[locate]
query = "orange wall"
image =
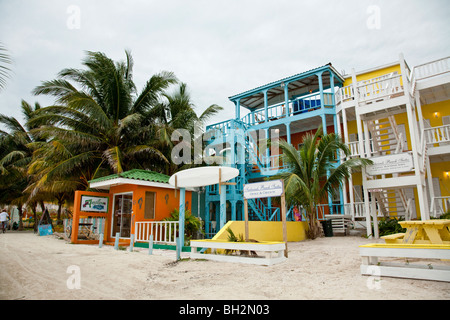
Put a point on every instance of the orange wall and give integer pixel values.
(77, 214)
(165, 203)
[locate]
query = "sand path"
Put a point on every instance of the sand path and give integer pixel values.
(33, 267)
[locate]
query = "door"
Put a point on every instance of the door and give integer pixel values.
(123, 207)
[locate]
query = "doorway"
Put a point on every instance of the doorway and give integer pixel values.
(123, 207)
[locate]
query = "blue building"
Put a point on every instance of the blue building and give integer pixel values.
(286, 109)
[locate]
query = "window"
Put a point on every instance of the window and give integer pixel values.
(149, 205)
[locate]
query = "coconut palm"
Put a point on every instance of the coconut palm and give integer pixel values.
(5, 60)
(311, 176)
(99, 122)
(15, 156)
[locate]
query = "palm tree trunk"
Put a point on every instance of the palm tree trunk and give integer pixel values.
(19, 207)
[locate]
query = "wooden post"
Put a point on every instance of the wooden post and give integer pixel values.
(246, 219)
(283, 218)
(131, 242)
(179, 248)
(100, 240)
(116, 243)
(150, 245)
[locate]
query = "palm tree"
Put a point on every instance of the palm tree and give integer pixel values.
(100, 121)
(311, 176)
(15, 157)
(4, 70)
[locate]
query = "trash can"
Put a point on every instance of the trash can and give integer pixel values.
(327, 228)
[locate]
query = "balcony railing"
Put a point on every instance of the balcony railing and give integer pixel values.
(384, 87)
(431, 69)
(439, 206)
(354, 148)
(295, 107)
(379, 88)
(437, 135)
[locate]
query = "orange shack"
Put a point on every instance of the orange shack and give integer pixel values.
(130, 205)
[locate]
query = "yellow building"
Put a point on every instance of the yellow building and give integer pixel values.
(400, 118)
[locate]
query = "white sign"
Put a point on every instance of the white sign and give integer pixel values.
(265, 189)
(94, 204)
(394, 163)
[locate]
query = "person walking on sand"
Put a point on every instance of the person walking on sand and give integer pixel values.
(4, 217)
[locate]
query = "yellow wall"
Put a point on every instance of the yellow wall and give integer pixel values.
(373, 74)
(265, 230)
(435, 111)
(439, 170)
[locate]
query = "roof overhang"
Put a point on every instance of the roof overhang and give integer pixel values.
(299, 84)
(107, 184)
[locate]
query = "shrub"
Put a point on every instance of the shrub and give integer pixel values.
(388, 226)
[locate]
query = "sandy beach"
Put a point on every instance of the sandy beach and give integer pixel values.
(34, 267)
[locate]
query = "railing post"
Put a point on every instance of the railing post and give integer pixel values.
(100, 240)
(116, 242)
(150, 245)
(131, 242)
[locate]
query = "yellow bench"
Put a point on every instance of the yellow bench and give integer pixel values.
(426, 270)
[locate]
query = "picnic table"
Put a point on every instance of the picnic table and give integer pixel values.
(422, 232)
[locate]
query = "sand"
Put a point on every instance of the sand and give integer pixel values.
(34, 267)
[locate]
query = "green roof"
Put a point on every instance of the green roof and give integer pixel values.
(136, 174)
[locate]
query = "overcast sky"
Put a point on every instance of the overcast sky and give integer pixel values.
(219, 48)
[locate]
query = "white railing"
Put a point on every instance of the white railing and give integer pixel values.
(380, 87)
(439, 134)
(163, 231)
(358, 209)
(354, 148)
(431, 69)
(439, 205)
(345, 94)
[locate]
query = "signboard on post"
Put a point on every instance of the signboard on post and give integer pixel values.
(94, 204)
(394, 163)
(266, 189)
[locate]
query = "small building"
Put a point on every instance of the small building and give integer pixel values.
(130, 203)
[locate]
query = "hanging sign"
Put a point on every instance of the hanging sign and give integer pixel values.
(94, 204)
(45, 230)
(265, 189)
(394, 163)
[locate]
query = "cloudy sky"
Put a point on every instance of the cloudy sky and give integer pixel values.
(219, 48)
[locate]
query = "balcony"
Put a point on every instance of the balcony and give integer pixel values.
(382, 88)
(296, 107)
(438, 140)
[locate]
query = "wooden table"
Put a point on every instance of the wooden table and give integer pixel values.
(422, 232)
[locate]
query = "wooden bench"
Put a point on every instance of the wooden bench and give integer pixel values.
(393, 238)
(273, 251)
(426, 269)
